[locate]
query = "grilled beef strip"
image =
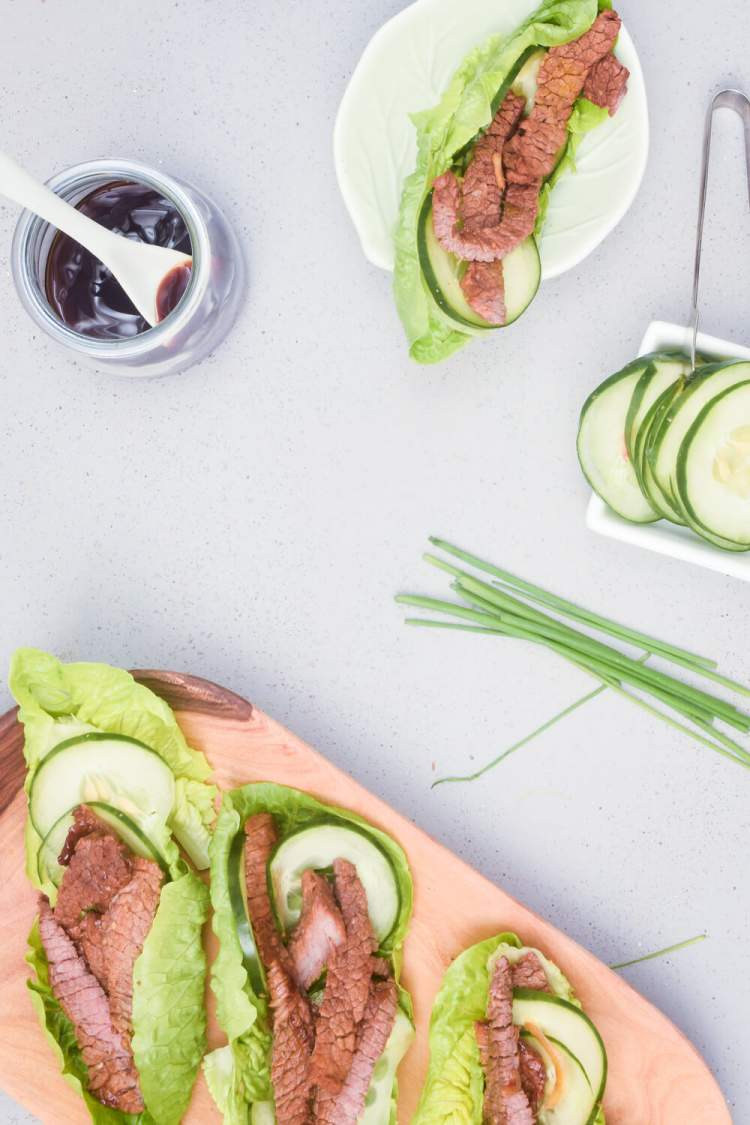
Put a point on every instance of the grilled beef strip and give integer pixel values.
(533, 1075)
(607, 83)
(319, 931)
(98, 865)
(345, 1107)
(293, 1040)
(484, 181)
(505, 1102)
(293, 1028)
(124, 928)
(112, 1077)
(531, 154)
(528, 972)
(483, 287)
(347, 988)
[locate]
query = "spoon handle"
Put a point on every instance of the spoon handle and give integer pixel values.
(18, 185)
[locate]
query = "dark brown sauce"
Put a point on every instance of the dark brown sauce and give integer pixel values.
(83, 292)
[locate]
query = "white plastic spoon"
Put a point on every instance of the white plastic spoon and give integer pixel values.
(139, 267)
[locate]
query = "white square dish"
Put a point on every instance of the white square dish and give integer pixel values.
(663, 537)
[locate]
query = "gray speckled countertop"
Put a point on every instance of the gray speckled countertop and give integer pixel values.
(250, 520)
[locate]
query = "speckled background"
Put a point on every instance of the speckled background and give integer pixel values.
(250, 520)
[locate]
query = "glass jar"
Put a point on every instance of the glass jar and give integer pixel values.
(199, 321)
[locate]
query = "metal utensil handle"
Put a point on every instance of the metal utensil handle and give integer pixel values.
(740, 103)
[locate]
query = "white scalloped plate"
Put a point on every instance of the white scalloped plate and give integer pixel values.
(406, 67)
(662, 537)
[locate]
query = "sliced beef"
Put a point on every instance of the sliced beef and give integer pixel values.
(345, 1107)
(123, 930)
(528, 972)
(484, 289)
(347, 987)
(505, 1102)
(319, 931)
(98, 866)
(533, 1075)
(520, 206)
(484, 181)
(85, 821)
(293, 1039)
(113, 1079)
(531, 154)
(607, 83)
(260, 840)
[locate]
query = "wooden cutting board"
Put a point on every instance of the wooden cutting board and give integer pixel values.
(656, 1077)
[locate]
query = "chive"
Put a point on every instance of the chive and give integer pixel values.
(503, 609)
(661, 952)
(642, 640)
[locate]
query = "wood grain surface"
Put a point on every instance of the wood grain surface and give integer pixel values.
(656, 1077)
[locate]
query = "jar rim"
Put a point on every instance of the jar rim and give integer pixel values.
(30, 227)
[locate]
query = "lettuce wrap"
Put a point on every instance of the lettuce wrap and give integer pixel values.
(79, 705)
(453, 1093)
(446, 130)
(239, 1074)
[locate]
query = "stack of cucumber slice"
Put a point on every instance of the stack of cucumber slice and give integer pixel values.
(659, 441)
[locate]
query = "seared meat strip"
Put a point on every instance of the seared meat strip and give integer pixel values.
(520, 206)
(112, 1075)
(293, 1030)
(261, 839)
(505, 1102)
(531, 154)
(607, 83)
(528, 972)
(483, 287)
(319, 931)
(293, 1039)
(483, 182)
(345, 1107)
(347, 987)
(123, 930)
(533, 1075)
(98, 866)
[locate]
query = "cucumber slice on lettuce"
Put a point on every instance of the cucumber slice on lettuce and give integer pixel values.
(239, 1074)
(443, 131)
(453, 1092)
(60, 702)
(169, 1019)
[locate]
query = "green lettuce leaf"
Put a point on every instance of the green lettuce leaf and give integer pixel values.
(240, 1076)
(454, 1088)
(57, 701)
(465, 109)
(61, 1036)
(585, 117)
(169, 1016)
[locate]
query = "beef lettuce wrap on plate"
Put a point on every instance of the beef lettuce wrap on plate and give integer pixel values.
(114, 792)
(311, 907)
(510, 1044)
(489, 155)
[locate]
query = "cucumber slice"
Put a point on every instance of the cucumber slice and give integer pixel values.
(704, 385)
(378, 1106)
(522, 272)
(713, 467)
(317, 846)
(238, 899)
(601, 447)
(262, 1113)
(526, 81)
(131, 833)
(663, 372)
(647, 434)
(577, 1103)
(569, 1026)
(111, 768)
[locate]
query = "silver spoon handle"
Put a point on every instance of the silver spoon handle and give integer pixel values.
(740, 103)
